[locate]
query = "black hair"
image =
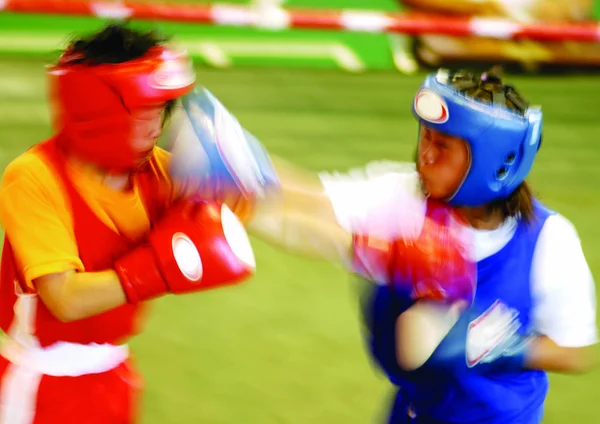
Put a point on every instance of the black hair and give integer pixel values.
(115, 43)
(488, 87)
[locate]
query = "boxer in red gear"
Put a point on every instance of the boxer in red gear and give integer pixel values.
(94, 228)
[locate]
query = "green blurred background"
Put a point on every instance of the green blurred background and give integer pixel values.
(286, 347)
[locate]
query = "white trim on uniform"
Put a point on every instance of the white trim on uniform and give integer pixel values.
(29, 362)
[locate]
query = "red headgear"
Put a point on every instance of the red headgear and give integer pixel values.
(92, 104)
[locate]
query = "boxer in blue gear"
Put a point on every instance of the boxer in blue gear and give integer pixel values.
(455, 352)
(491, 367)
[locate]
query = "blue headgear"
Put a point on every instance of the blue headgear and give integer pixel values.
(502, 142)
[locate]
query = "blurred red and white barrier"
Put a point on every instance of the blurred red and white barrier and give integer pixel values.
(276, 18)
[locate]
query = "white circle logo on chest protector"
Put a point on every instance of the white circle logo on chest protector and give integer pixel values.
(431, 107)
(187, 257)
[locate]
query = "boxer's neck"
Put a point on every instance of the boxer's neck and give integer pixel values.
(117, 181)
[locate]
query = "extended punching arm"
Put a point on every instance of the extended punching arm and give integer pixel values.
(215, 156)
(301, 234)
(298, 213)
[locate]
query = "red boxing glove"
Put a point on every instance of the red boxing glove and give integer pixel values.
(198, 245)
(438, 263)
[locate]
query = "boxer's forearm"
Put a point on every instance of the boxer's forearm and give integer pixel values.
(544, 354)
(300, 232)
(420, 330)
(71, 296)
(303, 192)
(296, 177)
(299, 217)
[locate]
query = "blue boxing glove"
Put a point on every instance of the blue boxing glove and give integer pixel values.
(209, 146)
(489, 341)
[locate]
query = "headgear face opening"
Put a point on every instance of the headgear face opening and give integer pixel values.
(503, 143)
(92, 105)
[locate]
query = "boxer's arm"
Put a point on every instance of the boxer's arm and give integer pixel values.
(420, 330)
(319, 214)
(563, 332)
(299, 217)
(212, 154)
(196, 246)
(46, 253)
(44, 247)
(565, 301)
(513, 352)
(71, 296)
(36, 221)
(545, 354)
(301, 223)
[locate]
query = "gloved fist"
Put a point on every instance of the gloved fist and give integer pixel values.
(436, 265)
(198, 245)
(485, 341)
(210, 149)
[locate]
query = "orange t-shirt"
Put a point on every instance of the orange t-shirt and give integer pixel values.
(37, 221)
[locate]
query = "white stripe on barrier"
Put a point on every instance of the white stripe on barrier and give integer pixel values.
(368, 22)
(496, 28)
(232, 15)
(273, 18)
(349, 20)
(110, 10)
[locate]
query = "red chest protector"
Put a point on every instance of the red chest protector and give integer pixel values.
(98, 246)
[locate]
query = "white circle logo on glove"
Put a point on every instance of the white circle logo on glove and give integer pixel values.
(187, 257)
(237, 237)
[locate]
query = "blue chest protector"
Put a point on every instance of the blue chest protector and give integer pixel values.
(458, 394)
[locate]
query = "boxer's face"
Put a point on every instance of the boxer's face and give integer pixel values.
(147, 126)
(442, 162)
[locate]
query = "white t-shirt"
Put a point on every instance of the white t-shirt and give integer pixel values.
(370, 201)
